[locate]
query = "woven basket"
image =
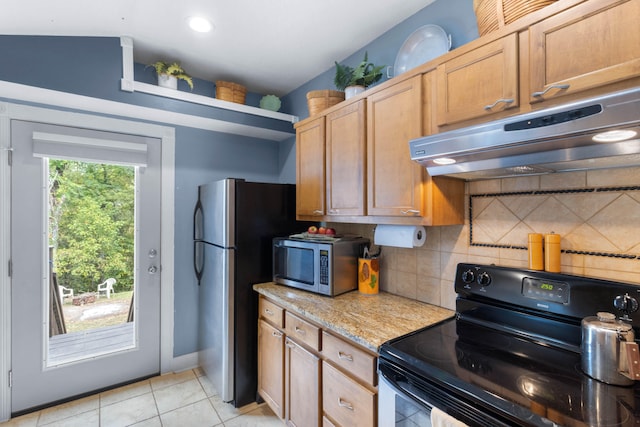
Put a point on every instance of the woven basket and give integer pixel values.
(232, 92)
(318, 100)
(495, 14)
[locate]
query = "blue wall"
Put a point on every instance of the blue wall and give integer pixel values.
(92, 66)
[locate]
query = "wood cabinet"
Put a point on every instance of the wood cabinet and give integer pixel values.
(345, 400)
(368, 174)
(345, 160)
(590, 46)
(330, 161)
(480, 83)
(271, 366)
(310, 168)
(302, 378)
(394, 116)
(312, 377)
(400, 190)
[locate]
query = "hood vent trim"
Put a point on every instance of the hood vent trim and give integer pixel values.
(556, 139)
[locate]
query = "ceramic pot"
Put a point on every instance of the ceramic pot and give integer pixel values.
(165, 80)
(350, 91)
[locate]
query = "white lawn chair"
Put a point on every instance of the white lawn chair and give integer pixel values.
(65, 292)
(106, 287)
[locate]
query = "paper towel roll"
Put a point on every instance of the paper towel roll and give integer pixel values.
(400, 236)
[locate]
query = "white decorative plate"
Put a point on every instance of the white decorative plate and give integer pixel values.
(423, 45)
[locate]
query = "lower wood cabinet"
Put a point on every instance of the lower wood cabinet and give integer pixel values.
(302, 389)
(271, 366)
(310, 377)
(345, 400)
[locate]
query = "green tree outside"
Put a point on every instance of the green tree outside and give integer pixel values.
(91, 224)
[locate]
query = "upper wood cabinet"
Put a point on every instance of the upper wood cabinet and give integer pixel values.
(310, 168)
(394, 116)
(345, 158)
(480, 83)
(591, 45)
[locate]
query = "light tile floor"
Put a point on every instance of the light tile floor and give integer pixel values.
(185, 399)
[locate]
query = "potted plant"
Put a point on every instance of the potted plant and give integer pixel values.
(356, 80)
(168, 74)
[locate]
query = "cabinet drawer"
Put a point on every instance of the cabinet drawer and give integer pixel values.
(355, 361)
(271, 312)
(302, 331)
(346, 401)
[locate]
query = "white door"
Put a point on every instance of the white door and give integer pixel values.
(41, 372)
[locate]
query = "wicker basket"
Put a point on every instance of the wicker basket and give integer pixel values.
(495, 14)
(318, 100)
(232, 92)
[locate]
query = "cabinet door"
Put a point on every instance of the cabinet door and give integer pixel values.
(302, 386)
(346, 160)
(310, 168)
(271, 366)
(593, 44)
(480, 83)
(394, 116)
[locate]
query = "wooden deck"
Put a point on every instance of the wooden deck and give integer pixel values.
(76, 346)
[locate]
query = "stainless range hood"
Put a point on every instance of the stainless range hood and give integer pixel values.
(552, 140)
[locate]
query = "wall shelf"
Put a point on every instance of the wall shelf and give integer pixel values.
(128, 84)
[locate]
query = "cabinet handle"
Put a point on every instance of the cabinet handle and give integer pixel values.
(269, 312)
(277, 334)
(499, 101)
(289, 344)
(410, 212)
(334, 211)
(299, 330)
(345, 404)
(318, 212)
(544, 92)
(345, 356)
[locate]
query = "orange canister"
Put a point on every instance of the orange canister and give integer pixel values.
(552, 253)
(368, 275)
(536, 258)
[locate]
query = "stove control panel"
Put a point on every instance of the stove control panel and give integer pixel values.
(563, 294)
(545, 290)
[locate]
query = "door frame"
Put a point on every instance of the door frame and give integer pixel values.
(11, 111)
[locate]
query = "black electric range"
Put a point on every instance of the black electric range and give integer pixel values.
(511, 356)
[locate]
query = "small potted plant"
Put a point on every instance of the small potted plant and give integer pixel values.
(356, 80)
(168, 74)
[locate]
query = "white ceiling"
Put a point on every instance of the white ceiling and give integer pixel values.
(270, 46)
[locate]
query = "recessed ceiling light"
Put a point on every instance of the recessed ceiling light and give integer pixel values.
(200, 24)
(614, 135)
(444, 161)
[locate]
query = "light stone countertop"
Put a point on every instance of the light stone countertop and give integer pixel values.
(369, 320)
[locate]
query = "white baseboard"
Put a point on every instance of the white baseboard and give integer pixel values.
(184, 362)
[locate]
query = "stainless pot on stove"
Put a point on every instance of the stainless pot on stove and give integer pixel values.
(609, 352)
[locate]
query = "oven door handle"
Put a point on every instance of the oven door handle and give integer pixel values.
(394, 381)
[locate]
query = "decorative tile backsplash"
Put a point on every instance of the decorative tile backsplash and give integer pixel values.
(605, 220)
(587, 219)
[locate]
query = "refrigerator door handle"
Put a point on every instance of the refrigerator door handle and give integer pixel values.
(198, 221)
(198, 259)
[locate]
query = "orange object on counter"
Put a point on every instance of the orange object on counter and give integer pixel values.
(552, 253)
(368, 275)
(536, 257)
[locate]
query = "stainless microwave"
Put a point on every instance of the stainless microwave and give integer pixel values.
(328, 266)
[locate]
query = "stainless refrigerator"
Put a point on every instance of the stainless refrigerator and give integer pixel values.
(234, 224)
